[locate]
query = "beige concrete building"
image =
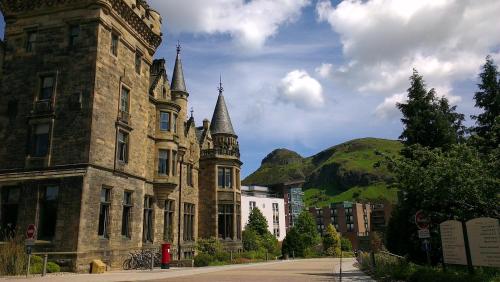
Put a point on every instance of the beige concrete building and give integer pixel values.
(96, 146)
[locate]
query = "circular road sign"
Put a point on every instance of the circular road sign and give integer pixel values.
(421, 220)
(30, 232)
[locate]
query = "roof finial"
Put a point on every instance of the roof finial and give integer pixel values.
(178, 47)
(192, 111)
(220, 88)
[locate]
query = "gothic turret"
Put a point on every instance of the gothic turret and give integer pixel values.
(178, 83)
(221, 122)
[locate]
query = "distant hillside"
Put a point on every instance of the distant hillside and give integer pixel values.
(348, 171)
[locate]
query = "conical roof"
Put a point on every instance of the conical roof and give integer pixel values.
(221, 122)
(178, 83)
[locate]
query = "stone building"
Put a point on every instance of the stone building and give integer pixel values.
(96, 146)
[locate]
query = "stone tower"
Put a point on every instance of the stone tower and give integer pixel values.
(95, 146)
(220, 195)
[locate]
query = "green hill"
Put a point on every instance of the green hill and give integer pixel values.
(349, 171)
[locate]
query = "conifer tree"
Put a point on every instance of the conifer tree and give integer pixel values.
(428, 120)
(331, 241)
(486, 133)
(257, 222)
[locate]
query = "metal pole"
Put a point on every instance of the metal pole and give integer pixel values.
(467, 248)
(266, 256)
(231, 255)
(45, 258)
(340, 277)
(28, 268)
(293, 254)
(179, 215)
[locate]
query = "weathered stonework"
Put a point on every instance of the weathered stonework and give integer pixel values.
(84, 116)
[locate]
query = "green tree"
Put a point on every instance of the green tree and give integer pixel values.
(345, 244)
(307, 230)
(428, 120)
(250, 240)
(292, 244)
(454, 184)
(486, 133)
(257, 222)
(331, 241)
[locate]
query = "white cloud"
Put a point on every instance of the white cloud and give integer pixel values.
(388, 108)
(300, 89)
(382, 40)
(250, 23)
(325, 70)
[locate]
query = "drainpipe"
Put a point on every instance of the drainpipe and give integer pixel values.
(179, 213)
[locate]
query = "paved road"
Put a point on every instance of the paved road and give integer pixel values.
(325, 269)
(290, 271)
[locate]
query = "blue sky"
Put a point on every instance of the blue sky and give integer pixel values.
(307, 74)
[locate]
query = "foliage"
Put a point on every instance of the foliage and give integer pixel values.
(203, 259)
(13, 259)
(301, 238)
(456, 184)
(375, 241)
(345, 244)
(389, 268)
(257, 222)
(270, 243)
(331, 241)
(428, 120)
(250, 240)
(209, 246)
(53, 267)
(36, 268)
(486, 133)
(377, 192)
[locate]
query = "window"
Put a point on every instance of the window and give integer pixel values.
(138, 62)
(46, 88)
(225, 176)
(225, 221)
(189, 175)
(238, 222)
(126, 214)
(175, 123)
(350, 227)
(114, 44)
(74, 33)
(124, 99)
(147, 225)
(48, 212)
(31, 41)
(9, 203)
(168, 221)
(164, 121)
(188, 222)
(276, 220)
(40, 140)
(163, 167)
(103, 230)
(251, 205)
(174, 162)
(123, 139)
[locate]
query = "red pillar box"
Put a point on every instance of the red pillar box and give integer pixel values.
(165, 256)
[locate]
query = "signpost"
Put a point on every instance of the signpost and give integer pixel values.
(30, 241)
(423, 221)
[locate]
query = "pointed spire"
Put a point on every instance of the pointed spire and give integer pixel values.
(192, 111)
(221, 122)
(178, 83)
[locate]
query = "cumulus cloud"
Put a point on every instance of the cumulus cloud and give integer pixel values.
(382, 40)
(250, 23)
(325, 70)
(300, 89)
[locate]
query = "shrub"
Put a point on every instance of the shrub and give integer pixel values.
(53, 267)
(36, 259)
(203, 259)
(250, 240)
(222, 256)
(345, 244)
(13, 258)
(36, 268)
(209, 246)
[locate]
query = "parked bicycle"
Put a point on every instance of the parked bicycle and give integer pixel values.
(142, 259)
